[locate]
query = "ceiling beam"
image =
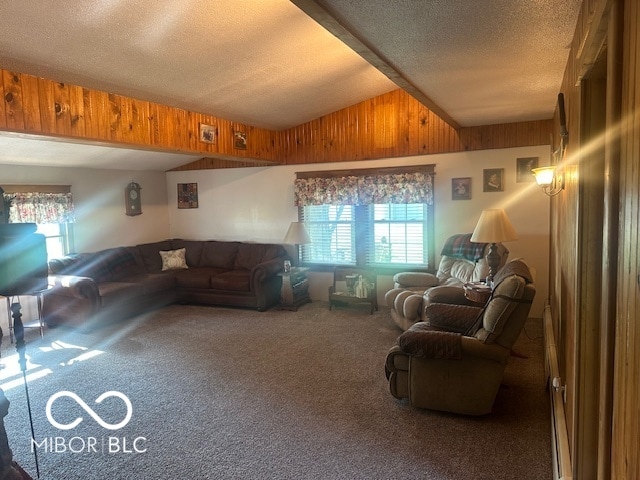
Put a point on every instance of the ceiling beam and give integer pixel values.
(371, 55)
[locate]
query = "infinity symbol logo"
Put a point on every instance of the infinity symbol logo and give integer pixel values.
(89, 410)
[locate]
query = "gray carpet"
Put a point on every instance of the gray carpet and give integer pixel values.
(223, 393)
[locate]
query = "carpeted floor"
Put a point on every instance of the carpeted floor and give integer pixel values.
(221, 393)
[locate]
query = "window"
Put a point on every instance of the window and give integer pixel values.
(399, 234)
(50, 207)
(59, 238)
(366, 235)
(367, 217)
(332, 231)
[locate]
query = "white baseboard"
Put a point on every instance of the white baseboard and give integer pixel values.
(561, 455)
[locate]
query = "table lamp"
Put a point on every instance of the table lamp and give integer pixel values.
(493, 227)
(297, 235)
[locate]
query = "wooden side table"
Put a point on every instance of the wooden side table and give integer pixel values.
(37, 295)
(295, 289)
(352, 286)
(477, 292)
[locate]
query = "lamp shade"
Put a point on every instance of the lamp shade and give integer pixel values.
(544, 175)
(297, 234)
(494, 227)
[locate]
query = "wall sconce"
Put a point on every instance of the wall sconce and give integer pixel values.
(550, 179)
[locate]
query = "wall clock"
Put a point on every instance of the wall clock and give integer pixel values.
(132, 199)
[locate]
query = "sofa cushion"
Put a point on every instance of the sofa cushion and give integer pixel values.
(174, 259)
(94, 265)
(152, 282)
(150, 253)
(453, 318)
(122, 262)
(115, 292)
(194, 250)
(235, 280)
(251, 254)
(65, 265)
(196, 277)
(219, 254)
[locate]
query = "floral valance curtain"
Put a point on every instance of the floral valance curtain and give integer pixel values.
(40, 207)
(416, 187)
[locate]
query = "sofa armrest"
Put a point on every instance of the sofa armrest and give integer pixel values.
(73, 286)
(415, 279)
(265, 270)
(70, 300)
(447, 294)
(265, 282)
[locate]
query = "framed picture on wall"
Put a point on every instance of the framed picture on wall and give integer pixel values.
(207, 133)
(493, 180)
(461, 188)
(523, 169)
(187, 195)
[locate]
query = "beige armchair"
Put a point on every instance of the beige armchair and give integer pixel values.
(461, 261)
(455, 363)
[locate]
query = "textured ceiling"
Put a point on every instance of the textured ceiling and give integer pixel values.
(268, 63)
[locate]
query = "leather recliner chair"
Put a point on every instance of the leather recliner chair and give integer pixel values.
(461, 261)
(456, 361)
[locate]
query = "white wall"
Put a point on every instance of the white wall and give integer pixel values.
(256, 204)
(98, 197)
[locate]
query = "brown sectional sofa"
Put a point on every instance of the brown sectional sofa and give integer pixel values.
(123, 281)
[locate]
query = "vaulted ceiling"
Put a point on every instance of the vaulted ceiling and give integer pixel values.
(278, 63)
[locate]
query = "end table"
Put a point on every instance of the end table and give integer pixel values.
(295, 288)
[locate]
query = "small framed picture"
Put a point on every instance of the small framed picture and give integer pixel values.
(493, 180)
(461, 188)
(207, 133)
(187, 195)
(523, 169)
(240, 140)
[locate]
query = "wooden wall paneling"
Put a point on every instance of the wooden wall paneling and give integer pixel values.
(191, 130)
(432, 133)
(115, 117)
(76, 111)
(31, 103)
(626, 428)
(3, 116)
(180, 129)
(47, 103)
(13, 100)
(102, 118)
(62, 109)
(412, 126)
(224, 142)
(391, 125)
(42, 107)
(127, 133)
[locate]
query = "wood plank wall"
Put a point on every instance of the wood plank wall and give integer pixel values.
(566, 222)
(44, 107)
(390, 125)
(396, 125)
(626, 395)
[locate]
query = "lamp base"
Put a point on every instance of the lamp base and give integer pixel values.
(493, 260)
